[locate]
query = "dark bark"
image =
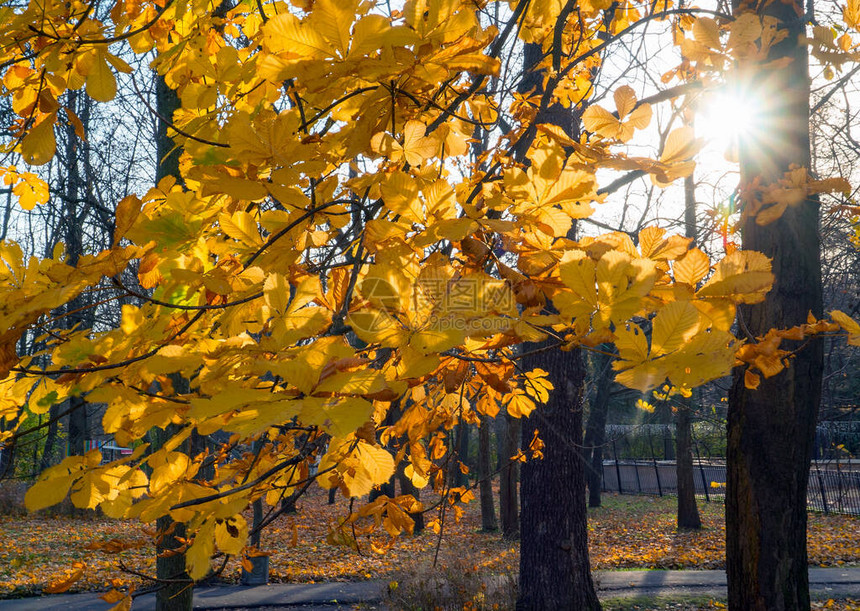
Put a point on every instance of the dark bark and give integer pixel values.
(257, 508)
(554, 566)
(74, 244)
(78, 426)
(175, 585)
(688, 511)
(595, 429)
(288, 504)
(7, 456)
(663, 415)
(51, 436)
(508, 506)
(167, 102)
(175, 593)
(485, 473)
(771, 429)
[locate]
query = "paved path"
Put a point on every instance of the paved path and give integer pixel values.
(825, 583)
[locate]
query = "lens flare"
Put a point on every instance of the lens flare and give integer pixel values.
(724, 117)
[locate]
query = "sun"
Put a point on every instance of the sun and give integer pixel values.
(723, 117)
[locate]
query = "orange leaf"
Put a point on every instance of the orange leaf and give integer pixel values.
(751, 380)
(66, 582)
(114, 596)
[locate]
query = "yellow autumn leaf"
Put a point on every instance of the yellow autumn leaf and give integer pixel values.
(743, 276)
(520, 405)
(361, 382)
(537, 385)
(622, 283)
(625, 100)
(376, 462)
(47, 492)
(849, 324)
(39, 145)
(716, 313)
(101, 83)
(284, 33)
(681, 145)
(438, 338)
(707, 356)
(745, 30)
(416, 146)
(276, 292)
(168, 468)
(631, 343)
(851, 14)
(673, 326)
(127, 211)
(692, 267)
(707, 32)
(231, 534)
(242, 227)
(418, 480)
(400, 194)
(198, 555)
(598, 120)
(333, 20)
(30, 190)
(578, 273)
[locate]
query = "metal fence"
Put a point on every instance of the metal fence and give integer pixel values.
(831, 490)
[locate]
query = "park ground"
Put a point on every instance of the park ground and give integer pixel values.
(626, 532)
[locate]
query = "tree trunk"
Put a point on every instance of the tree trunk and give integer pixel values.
(7, 456)
(51, 436)
(688, 511)
(74, 243)
(177, 588)
(554, 566)
(663, 415)
(595, 429)
(257, 509)
(508, 506)
(485, 473)
(771, 429)
(176, 593)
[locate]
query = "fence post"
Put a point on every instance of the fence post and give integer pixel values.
(839, 485)
(654, 461)
(855, 503)
(617, 468)
(822, 489)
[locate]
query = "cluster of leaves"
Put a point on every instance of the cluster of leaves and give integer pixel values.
(336, 278)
